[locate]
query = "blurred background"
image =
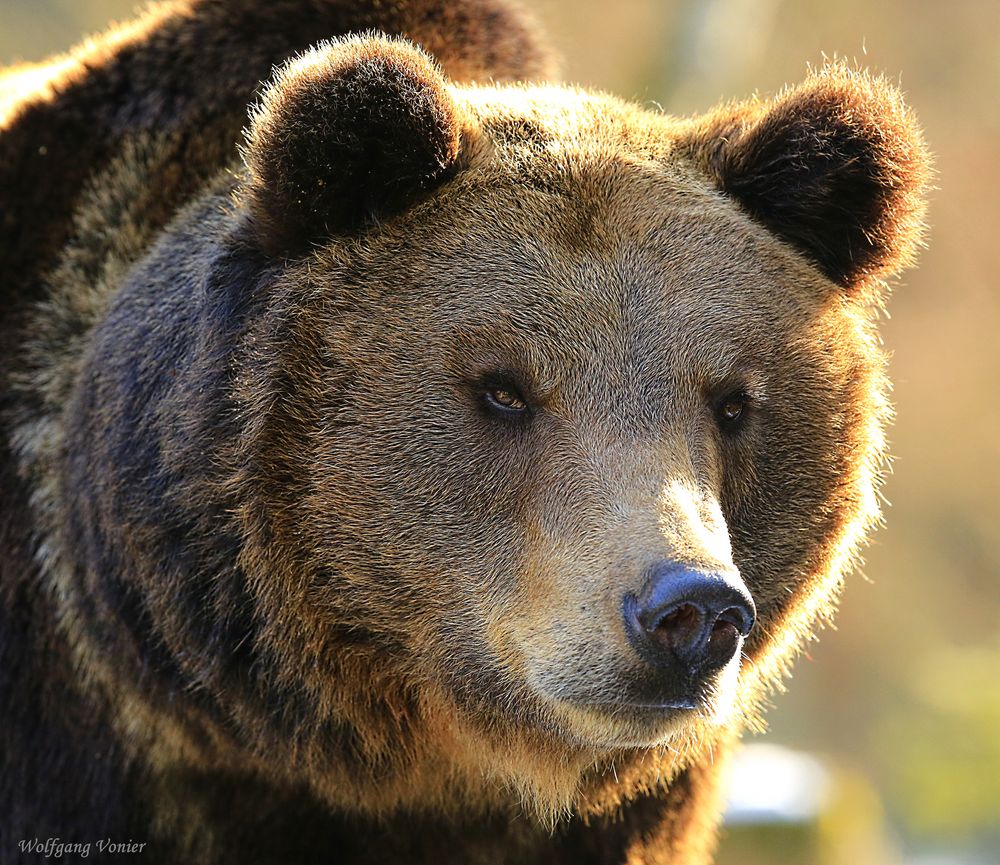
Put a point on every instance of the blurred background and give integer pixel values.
(886, 749)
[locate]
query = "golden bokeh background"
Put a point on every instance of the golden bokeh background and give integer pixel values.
(902, 701)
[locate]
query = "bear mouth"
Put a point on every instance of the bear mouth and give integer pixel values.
(645, 690)
(656, 706)
(634, 719)
(629, 725)
(642, 710)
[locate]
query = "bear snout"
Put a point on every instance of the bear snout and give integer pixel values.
(688, 621)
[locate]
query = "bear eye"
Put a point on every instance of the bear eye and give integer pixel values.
(505, 398)
(731, 410)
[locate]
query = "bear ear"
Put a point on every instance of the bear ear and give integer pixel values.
(350, 132)
(836, 167)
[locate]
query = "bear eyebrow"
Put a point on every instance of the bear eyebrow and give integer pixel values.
(750, 380)
(490, 349)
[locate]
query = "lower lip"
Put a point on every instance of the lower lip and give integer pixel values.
(653, 707)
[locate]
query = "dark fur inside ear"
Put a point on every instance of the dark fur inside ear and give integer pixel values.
(836, 167)
(350, 132)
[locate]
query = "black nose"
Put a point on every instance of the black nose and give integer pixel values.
(689, 616)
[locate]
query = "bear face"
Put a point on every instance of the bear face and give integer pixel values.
(529, 350)
(614, 461)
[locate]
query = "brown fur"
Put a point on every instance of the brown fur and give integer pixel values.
(375, 163)
(296, 563)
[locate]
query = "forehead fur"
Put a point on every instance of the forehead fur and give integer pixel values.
(357, 131)
(556, 179)
(836, 167)
(577, 260)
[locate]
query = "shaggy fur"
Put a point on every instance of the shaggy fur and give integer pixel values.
(277, 583)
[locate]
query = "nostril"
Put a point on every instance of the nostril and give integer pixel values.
(683, 629)
(685, 618)
(742, 620)
(724, 626)
(724, 635)
(680, 627)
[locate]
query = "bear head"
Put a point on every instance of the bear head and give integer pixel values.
(567, 416)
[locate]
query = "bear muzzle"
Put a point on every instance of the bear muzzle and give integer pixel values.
(685, 629)
(682, 631)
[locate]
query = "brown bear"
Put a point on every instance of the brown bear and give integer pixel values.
(441, 469)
